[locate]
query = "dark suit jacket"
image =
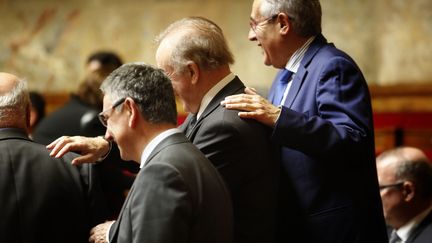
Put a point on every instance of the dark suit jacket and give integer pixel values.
(423, 232)
(77, 118)
(43, 199)
(240, 150)
(178, 196)
(325, 134)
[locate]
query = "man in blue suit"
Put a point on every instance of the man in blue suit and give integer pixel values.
(320, 111)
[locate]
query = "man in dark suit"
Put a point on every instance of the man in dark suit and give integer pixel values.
(177, 196)
(42, 199)
(78, 116)
(194, 53)
(319, 109)
(405, 177)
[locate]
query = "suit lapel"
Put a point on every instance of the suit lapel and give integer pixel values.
(168, 141)
(419, 229)
(302, 72)
(233, 87)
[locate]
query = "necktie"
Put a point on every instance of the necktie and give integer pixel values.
(191, 124)
(394, 238)
(280, 86)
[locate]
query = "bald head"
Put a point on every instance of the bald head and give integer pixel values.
(408, 163)
(14, 102)
(7, 82)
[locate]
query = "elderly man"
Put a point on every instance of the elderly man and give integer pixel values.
(319, 111)
(405, 177)
(177, 196)
(42, 199)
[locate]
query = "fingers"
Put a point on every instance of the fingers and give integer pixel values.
(251, 91)
(88, 158)
(59, 147)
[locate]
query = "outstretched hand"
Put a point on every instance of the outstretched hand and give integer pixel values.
(253, 106)
(91, 149)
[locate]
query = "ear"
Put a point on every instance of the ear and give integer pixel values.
(408, 191)
(133, 112)
(284, 23)
(194, 72)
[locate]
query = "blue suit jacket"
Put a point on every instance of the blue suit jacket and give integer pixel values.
(325, 133)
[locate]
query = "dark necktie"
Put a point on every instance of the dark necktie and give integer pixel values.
(280, 86)
(191, 124)
(394, 238)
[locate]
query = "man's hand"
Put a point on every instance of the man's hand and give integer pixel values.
(253, 106)
(99, 232)
(91, 149)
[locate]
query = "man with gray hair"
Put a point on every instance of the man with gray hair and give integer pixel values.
(320, 116)
(42, 199)
(405, 177)
(177, 196)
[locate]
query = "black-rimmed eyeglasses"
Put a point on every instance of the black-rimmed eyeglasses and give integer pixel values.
(253, 23)
(103, 118)
(399, 184)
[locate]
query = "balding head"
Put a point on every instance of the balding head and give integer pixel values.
(14, 102)
(405, 177)
(7, 82)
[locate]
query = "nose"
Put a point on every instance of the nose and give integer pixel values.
(252, 35)
(108, 135)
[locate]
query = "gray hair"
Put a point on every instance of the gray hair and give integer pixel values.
(305, 15)
(148, 86)
(202, 42)
(15, 102)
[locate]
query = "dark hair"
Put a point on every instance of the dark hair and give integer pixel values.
(420, 173)
(106, 58)
(148, 86)
(38, 103)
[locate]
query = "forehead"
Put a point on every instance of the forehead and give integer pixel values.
(386, 170)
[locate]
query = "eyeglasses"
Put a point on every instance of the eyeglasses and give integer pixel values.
(104, 118)
(399, 184)
(253, 23)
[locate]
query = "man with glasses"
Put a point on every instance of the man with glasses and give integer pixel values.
(319, 110)
(405, 178)
(177, 196)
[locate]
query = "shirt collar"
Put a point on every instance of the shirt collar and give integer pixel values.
(213, 92)
(405, 231)
(154, 142)
(294, 62)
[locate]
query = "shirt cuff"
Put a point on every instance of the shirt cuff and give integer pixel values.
(108, 231)
(107, 153)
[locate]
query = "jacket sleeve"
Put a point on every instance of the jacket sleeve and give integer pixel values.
(341, 119)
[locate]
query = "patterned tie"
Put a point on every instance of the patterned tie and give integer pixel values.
(280, 86)
(394, 238)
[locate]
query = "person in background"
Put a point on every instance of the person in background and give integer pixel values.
(178, 196)
(37, 109)
(405, 178)
(42, 199)
(79, 116)
(319, 111)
